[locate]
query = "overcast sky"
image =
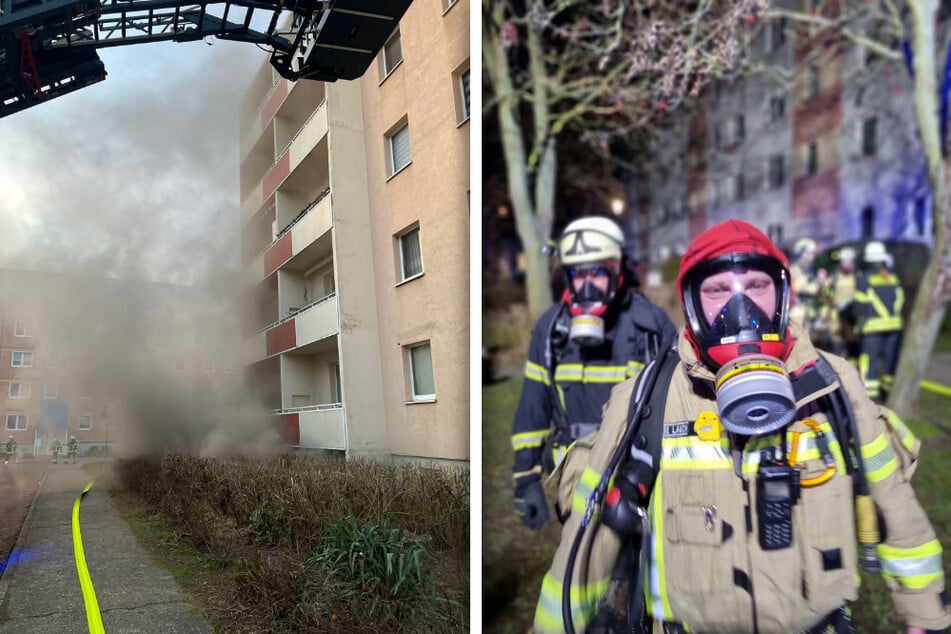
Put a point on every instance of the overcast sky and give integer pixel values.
(136, 176)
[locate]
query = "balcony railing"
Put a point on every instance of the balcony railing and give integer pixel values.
(290, 315)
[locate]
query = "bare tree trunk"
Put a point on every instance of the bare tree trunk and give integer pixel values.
(533, 227)
(934, 293)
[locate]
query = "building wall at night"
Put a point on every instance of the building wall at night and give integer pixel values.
(355, 225)
(831, 153)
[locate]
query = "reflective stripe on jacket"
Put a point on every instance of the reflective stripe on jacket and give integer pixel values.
(707, 569)
(881, 299)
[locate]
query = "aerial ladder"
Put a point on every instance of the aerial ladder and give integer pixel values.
(49, 48)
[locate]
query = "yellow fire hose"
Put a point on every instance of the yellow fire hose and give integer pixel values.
(93, 617)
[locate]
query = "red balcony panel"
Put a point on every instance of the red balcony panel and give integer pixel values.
(274, 102)
(276, 176)
(289, 428)
(279, 253)
(281, 338)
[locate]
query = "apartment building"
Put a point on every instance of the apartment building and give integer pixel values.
(355, 225)
(821, 143)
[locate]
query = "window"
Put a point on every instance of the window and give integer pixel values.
(868, 222)
(777, 33)
(739, 128)
(208, 366)
(398, 146)
(869, 136)
(392, 53)
(777, 108)
(50, 390)
(411, 257)
(21, 329)
(464, 94)
(739, 187)
(85, 423)
(21, 359)
(815, 82)
(16, 421)
(812, 158)
(421, 372)
(19, 390)
(777, 171)
(52, 358)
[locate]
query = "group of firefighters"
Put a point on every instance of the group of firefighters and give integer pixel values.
(730, 477)
(853, 313)
(72, 446)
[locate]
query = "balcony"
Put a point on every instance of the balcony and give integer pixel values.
(315, 426)
(308, 325)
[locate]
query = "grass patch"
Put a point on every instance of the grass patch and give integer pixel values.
(515, 559)
(252, 539)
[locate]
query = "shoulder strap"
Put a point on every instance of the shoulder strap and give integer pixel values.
(647, 438)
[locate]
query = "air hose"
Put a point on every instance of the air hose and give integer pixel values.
(635, 416)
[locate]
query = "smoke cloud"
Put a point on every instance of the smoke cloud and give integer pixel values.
(127, 192)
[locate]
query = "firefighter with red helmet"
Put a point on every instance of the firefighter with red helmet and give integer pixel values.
(771, 477)
(600, 333)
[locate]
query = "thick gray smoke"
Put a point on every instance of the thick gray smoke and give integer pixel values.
(136, 178)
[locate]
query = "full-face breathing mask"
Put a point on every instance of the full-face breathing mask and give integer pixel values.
(589, 303)
(743, 342)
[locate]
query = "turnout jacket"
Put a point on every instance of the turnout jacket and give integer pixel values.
(572, 382)
(706, 569)
(880, 298)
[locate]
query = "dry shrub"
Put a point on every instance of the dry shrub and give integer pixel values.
(269, 515)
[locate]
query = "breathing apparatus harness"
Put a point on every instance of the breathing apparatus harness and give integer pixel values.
(623, 506)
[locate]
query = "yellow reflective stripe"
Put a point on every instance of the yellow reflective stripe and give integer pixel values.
(905, 435)
(536, 372)
(585, 601)
(689, 452)
(569, 372)
(914, 568)
(882, 324)
(656, 590)
(587, 483)
(860, 296)
(530, 439)
(880, 461)
(591, 374)
(93, 617)
(634, 368)
(877, 304)
(899, 299)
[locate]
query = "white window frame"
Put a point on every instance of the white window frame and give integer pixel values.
(48, 393)
(24, 354)
(385, 65)
(420, 398)
(16, 422)
(22, 390)
(464, 102)
(390, 137)
(87, 426)
(21, 328)
(419, 245)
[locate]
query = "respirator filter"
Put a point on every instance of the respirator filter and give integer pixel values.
(754, 395)
(587, 329)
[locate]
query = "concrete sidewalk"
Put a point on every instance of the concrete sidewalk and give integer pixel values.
(40, 591)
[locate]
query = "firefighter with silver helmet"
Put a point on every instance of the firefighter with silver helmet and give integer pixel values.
(739, 482)
(601, 332)
(880, 298)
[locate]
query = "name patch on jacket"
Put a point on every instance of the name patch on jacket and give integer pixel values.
(675, 430)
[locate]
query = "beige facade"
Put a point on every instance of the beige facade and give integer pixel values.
(355, 224)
